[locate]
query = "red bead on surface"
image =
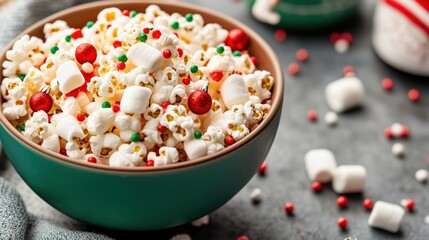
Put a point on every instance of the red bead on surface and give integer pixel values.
(216, 75)
(280, 35)
(229, 140)
(293, 69)
(121, 65)
(180, 52)
(342, 201)
(156, 34)
(405, 132)
(161, 128)
(334, 37)
(117, 44)
(116, 107)
(414, 95)
(410, 204)
(302, 55)
(150, 163)
(263, 168)
(200, 102)
(63, 151)
(312, 115)
(41, 101)
(166, 53)
(289, 207)
(77, 34)
(86, 53)
(81, 117)
(388, 133)
(237, 40)
(316, 186)
(348, 37)
(387, 84)
(243, 237)
(164, 105)
(348, 69)
(92, 160)
(342, 222)
(367, 204)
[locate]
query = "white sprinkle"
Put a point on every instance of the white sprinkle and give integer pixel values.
(201, 221)
(256, 195)
(422, 175)
(396, 129)
(331, 118)
(427, 219)
(341, 46)
(181, 237)
(87, 67)
(398, 149)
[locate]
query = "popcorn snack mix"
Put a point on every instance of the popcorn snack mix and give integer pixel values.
(135, 89)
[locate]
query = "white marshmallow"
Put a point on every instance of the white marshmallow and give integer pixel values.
(398, 149)
(69, 77)
(234, 91)
(341, 46)
(331, 118)
(349, 179)
(320, 165)
(146, 56)
(52, 143)
(396, 129)
(263, 11)
(67, 127)
(344, 94)
(201, 221)
(386, 216)
(87, 67)
(195, 148)
(256, 195)
(135, 99)
(422, 175)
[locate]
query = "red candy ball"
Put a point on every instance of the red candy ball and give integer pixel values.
(150, 163)
(289, 207)
(77, 34)
(316, 186)
(367, 204)
(41, 101)
(200, 102)
(342, 201)
(312, 115)
(414, 95)
(92, 160)
(342, 222)
(293, 69)
(302, 55)
(387, 84)
(243, 237)
(237, 40)
(216, 75)
(280, 35)
(262, 168)
(166, 53)
(86, 53)
(410, 204)
(229, 140)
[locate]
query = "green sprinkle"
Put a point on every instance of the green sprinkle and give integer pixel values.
(22, 128)
(175, 25)
(68, 38)
(133, 13)
(151, 28)
(122, 58)
(135, 137)
(22, 76)
(54, 49)
(89, 24)
(198, 134)
(143, 37)
(220, 49)
(105, 105)
(189, 17)
(237, 53)
(194, 68)
(58, 83)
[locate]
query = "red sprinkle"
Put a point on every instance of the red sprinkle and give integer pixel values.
(243, 237)
(180, 52)
(289, 207)
(166, 53)
(293, 69)
(216, 75)
(116, 107)
(342, 201)
(280, 35)
(367, 204)
(156, 34)
(126, 13)
(334, 37)
(146, 30)
(316, 186)
(238, 72)
(348, 69)
(342, 222)
(77, 34)
(229, 140)
(302, 55)
(81, 117)
(92, 160)
(186, 81)
(165, 105)
(388, 133)
(410, 204)
(263, 168)
(254, 60)
(312, 115)
(405, 132)
(387, 84)
(117, 44)
(49, 118)
(347, 37)
(121, 65)
(414, 95)
(150, 163)
(63, 151)
(161, 128)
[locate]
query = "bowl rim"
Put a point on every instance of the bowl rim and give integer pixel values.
(275, 104)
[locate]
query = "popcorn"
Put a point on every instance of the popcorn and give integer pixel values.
(104, 144)
(100, 121)
(127, 125)
(71, 106)
(52, 143)
(214, 139)
(74, 150)
(15, 107)
(153, 112)
(128, 155)
(195, 148)
(69, 77)
(260, 84)
(36, 128)
(67, 126)
(151, 132)
(34, 80)
(167, 155)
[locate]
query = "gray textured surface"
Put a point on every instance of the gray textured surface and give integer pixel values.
(358, 139)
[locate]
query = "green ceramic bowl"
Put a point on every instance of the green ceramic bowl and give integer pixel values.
(144, 198)
(312, 14)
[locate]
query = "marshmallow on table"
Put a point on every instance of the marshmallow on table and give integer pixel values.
(69, 77)
(135, 99)
(145, 56)
(263, 11)
(422, 175)
(320, 165)
(349, 179)
(234, 91)
(344, 94)
(201, 221)
(256, 195)
(386, 216)
(195, 148)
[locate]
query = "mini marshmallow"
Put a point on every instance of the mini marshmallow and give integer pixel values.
(234, 91)
(386, 216)
(349, 179)
(422, 175)
(396, 129)
(398, 149)
(67, 126)
(344, 94)
(146, 56)
(320, 165)
(135, 99)
(69, 77)
(263, 11)
(331, 118)
(256, 195)
(341, 46)
(201, 221)
(87, 67)
(195, 148)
